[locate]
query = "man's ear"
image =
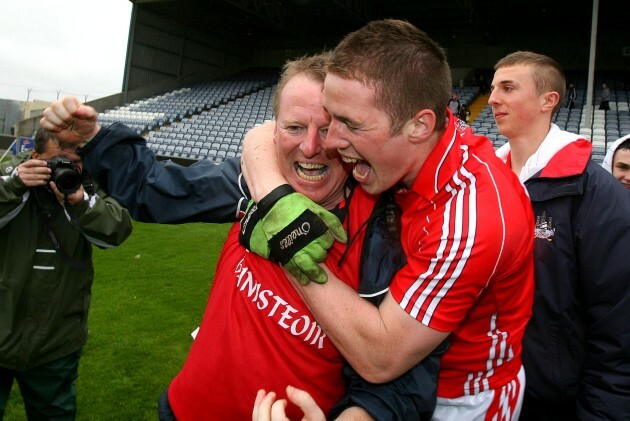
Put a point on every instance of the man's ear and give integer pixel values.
(421, 126)
(551, 100)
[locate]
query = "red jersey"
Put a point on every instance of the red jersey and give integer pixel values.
(257, 333)
(467, 233)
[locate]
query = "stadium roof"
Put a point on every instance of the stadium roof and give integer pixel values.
(282, 22)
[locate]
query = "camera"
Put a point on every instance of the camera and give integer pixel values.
(65, 174)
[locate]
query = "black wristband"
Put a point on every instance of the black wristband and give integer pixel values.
(294, 237)
(248, 223)
(276, 194)
(257, 211)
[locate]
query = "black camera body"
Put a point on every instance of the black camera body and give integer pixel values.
(65, 174)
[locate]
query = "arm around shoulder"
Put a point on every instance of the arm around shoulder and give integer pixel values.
(260, 162)
(380, 343)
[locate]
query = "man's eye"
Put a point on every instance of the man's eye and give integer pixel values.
(294, 129)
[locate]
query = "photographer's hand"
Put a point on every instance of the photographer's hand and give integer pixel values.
(71, 121)
(33, 173)
(73, 199)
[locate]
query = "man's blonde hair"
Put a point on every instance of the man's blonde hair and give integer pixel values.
(547, 73)
(313, 67)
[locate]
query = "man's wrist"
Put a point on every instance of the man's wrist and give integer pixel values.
(274, 195)
(97, 128)
(85, 146)
(80, 205)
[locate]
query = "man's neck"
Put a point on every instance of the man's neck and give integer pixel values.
(524, 146)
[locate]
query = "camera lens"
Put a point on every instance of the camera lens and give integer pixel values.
(65, 175)
(66, 179)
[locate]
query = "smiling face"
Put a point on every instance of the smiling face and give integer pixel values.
(301, 126)
(621, 167)
(361, 133)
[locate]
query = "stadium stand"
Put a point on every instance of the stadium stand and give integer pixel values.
(208, 120)
(466, 94)
(604, 126)
(203, 121)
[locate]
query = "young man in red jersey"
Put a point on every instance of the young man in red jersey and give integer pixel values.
(466, 227)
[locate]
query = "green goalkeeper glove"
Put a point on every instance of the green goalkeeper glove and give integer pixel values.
(292, 230)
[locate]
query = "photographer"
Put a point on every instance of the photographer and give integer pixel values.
(50, 214)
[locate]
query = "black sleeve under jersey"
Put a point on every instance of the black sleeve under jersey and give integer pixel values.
(163, 191)
(413, 395)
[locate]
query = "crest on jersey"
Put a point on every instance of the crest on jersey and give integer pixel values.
(544, 227)
(460, 125)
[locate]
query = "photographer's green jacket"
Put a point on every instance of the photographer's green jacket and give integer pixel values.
(46, 268)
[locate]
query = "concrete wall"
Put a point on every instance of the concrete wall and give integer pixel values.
(10, 113)
(162, 49)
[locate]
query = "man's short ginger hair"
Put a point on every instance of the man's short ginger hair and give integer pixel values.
(313, 67)
(407, 69)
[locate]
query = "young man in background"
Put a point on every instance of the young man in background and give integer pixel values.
(576, 346)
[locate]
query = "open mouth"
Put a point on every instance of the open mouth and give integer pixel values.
(309, 171)
(360, 170)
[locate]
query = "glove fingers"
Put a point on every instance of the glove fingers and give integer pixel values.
(310, 268)
(297, 273)
(334, 226)
(323, 242)
(316, 251)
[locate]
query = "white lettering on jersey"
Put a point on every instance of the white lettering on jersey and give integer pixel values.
(303, 326)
